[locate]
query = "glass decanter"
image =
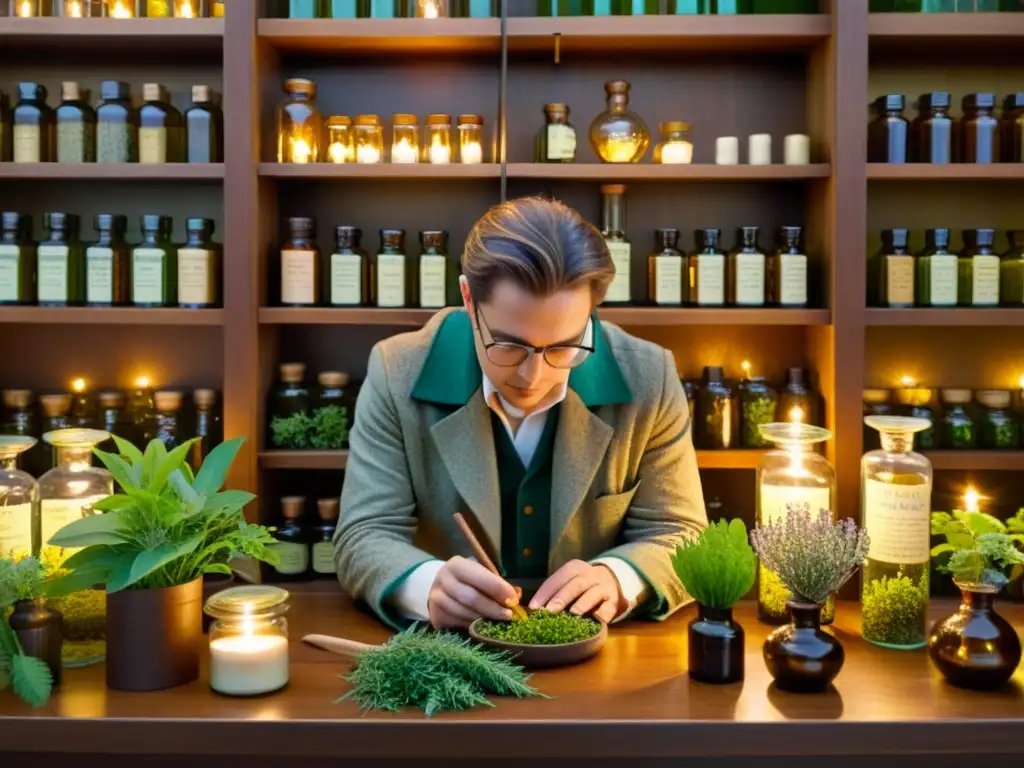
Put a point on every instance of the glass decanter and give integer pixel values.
(618, 135)
(791, 477)
(19, 498)
(896, 495)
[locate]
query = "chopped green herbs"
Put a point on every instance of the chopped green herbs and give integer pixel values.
(541, 628)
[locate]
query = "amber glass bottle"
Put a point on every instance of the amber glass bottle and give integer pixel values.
(888, 132)
(707, 269)
(937, 271)
(1011, 138)
(199, 266)
(161, 128)
(892, 270)
(979, 129)
(667, 280)
(933, 133)
(1011, 272)
(300, 264)
(978, 281)
(349, 269)
(787, 270)
(61, 276)
(107, 263)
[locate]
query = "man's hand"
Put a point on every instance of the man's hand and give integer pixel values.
(464, 591)
(582, 588)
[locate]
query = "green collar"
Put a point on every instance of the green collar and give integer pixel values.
(451, 373)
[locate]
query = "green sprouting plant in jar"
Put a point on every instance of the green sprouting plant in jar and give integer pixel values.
(894, 609)
(1000, 429)
(958, 428)
(757, 407)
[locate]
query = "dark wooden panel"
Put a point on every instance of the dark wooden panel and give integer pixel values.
(105, 171)
(110, 316)
(111, 37)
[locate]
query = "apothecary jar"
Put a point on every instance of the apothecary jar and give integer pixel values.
(368, 139)
(675, 147)
(340, 146)
(248, 640)
(299, 124)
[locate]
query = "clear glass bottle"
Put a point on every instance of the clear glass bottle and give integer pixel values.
(67, 493)
(437, 143)
(341, 146)
(716, 426)
(61, 259)
(556, 142)
(22, 419)
(896, 506)
(117, 125)
(17, 259)
(1011, 138)
(937, 271)
(108, 263)
(1000, 429)
(1011, 270)
(299, 123)
(979, 129)
(300, 264)
(334, 390)
(797, 401)
(199, 266)
(471, 139)
(369, 140)
(618, 135)
(889, 132)
(161, 128)
(323, 536)
(959, 432)
(787, 270)
(747, 271)
(675, 147)
(34, 136)
(292, 544)
(405, 139)
(209, 427)
(155, 264)
(76, 126)
(19, 498)
(979, 267)
(248, 640)
(707, 269)
(168, 418)
(892, 271)
(933, 132)
(791, 477)
(393, 276)
(613, 230)
(919, 403)
(667, 281)
(204, 127)
(435, 279)
(349, 269)
(758, 403)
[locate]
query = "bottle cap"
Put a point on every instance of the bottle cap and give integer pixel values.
(205, 398)
(113, 90)
(404, 119)
(55, 405)
(291, 506)
(434, 238)
(328, 509)
(556, 108)
(347, 236)
(617, 87)
(154, 222)
(613, 189)
(747, 236)
(674, 126)
(302, 227)
(154, 92)
(935, 100)
(300, 86)
(31, 92)
(69, 91)
(12, 221)
(470, 120)
(979, 101)
(938, 237)
(202, 94)
(796, 376)
(993, 398)
(110, 222)
(896, 238)
(61, 221)
(372, 120)
(876, 396)
(956, 396)
(713, 374)
(892, 102)
(332, 379)
(439, 120)
(790, 235)
(292, 373)
(167, 400)
(335, 121)
(707, 238)
(1014, 101)
(984, 237)
(17, 398)
(197, 224)
(394, 238)
(110, 399)
(666, 238)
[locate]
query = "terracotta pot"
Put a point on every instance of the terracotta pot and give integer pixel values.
(975, 647)
(40, 631)
(800, 656)
(212, 584)
(154, 637)
(715, 645)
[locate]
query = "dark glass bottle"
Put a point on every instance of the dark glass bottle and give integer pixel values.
(292, 544)
(17, 259)
(5, 129)
(787, 270)
(111, 417)
(937, 271)
(56, 415)
(1011, 139)
(717, 423)
(667, 280)
(707, 269)
(349, 269)
(556, 142)
(758, 403)
(33, 131)
(978, 279)
(1000, 429)
(108, 263)
(797, 401)
(435, 275)
(83, 406)
(919, 403)
(747, 271)
(1011, 271)
(289, 398)
(394, 279)
(199, 266)
(888, 133)
(209, 427)
(117, 125)
(61, 257)
(204, 126)
(300, 264)
(892, 271)
(22, 418)
(161, 128)
(76, 127)
(140, 414)
(334, 390)
(933, 133)
(168, 418)
(958, 428)
(323, 536)
(154, 264)
(613, 230)
(979, 129)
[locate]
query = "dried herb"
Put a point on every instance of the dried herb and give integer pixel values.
(893, 610)
(541, 628)
(718, 567)
(330, 427)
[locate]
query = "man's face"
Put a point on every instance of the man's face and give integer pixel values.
(513, 314)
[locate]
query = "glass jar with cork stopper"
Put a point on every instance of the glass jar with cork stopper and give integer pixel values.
(168, 417)
(471, 139)
(204, 127)
(437, 147)
(556, 142)
(117, 124)
(675, 147)
(368, 139)
(959, 432)
(298, 123)
(161, 128)
(618, 135)
(323, 536)
(668, 282)
(208, 427)
(76, 126)
(340, 142)
(333, 392)
(300, 264)
(290, 397)
(292, 545)
(405, 139)
(1000, 429)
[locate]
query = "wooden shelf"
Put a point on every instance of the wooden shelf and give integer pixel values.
(964, 316)
(344, 316)
(935, 27)
(403, 171)
(746, 458)
(951, 172)
(114, 171)
(977, 460)
(652, 172)
(111, 316)
(352, 37)
(100, 37)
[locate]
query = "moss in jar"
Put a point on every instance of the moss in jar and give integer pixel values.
(541, 628)
(758, 409)
(959, 433)
(999, 432)
(893, 610)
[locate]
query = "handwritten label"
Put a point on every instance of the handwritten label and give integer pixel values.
(433, 271)
(710, 279)
(148, 276)
(391, 280)
(298, 277)
(619, 290)
(53, 273)
(750, 279)
(792, 279)
(668, 282)
(99, 275)
(346, 279)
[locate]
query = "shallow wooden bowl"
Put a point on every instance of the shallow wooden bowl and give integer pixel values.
(540, 656)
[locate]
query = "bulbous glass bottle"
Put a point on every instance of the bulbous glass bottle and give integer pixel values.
(19, 498)
(618, 135)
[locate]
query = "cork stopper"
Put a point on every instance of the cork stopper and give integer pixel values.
(167, 400)
(556, 108)
(293, 373)
(291, 506)
(674, 126)
(153, 92)
(70, 91)
(328, 509)
(338, 120)
(371, 120)
(56, 405)
(876, 396)
(17, 398)
(205, 398)
(993, 398)
(956, 396)
(202, 94)
(613, 189)
(616, 87)
(298, 85)
(403, 119)
(439, 119)
(470, 120)
(111, 399)
(333, 379)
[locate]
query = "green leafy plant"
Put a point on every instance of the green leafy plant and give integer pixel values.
(30, 678)
(718, 567)
(330, 427)
(1015, 525)
(167, 528)
(541, 628)
(295, 431)
(893, 609)
(981, 550)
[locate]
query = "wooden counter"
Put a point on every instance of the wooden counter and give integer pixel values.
(632, 701)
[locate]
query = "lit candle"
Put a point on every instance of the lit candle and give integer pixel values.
(430, 10)
(248, 664)
(403, 152)
(472, 153)
(796, 414)
(142, 382)
(185, 10)
(336, 152)
(120, 11)
(439, 153)
(745, 366)
(907, 381)
(78, 386)
(74, 9)
(972, 499)
(677, 153)
(26, 9)
(300, 151)
(367, 154)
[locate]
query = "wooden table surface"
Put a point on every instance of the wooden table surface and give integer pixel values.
(634, 700)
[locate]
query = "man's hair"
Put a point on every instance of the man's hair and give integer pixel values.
(543, 246)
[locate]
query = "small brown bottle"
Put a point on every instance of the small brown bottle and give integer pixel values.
(933, 132)
(979, 129)
(707, 270)
(1011, 138)
(888, 132)
(667, 280)
(394, 278)
(300, 264)
(747, 270)
(787, 270)
(556, 142)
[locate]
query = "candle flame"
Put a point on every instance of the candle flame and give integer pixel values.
(186, 11)
(745, 365)
(336, 152)
(796, 414)
(142, 382)
(78, 385)
(75, 9)
(971, 499)
(402, 151)
(120, 11)
(367, 154)
(300, 151)
(1022, 381)
(25, 9)
(439, 153)
(430, 10)
(908, 381)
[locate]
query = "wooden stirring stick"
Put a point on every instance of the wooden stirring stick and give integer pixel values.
(518, 612)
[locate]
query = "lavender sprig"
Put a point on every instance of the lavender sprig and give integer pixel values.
(813, 557)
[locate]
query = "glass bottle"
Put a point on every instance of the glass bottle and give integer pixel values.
(979, 129)
(787, 270)
(675, 147)
(22, 419)
(888, 133)
(168, 418)
(83, 406)
(298, 123)
(937, 271)
(191, 9)
(204, 127)
(333, 390)
(978, 282)
(19, 498)
(618, 135)
(1000, 429)
(893, 271)
(300, 264)
(877, 402)
(5, 129)
(17, 259)
(917, 402)
(959, 431)
(117, 125)
(747, 270)
(405, 139)
(797, 401)
(349, 270)
(33, 132)
(667, 281)
(393, 276)
(716, 426)
(161, 128)
(933, 132)
(562, 8)
(556, 142)
(1011, 271)
(1011, 139)
(437, 146)
(107, 263)
(209, 428)
(471, 139)
(707, 270)
(56, 414)
(792, 477)
(140, 414)
(76, 126)
(308, 9)
(111, 416)
(369, 139)
(154, 264)
(290, 396)
(758, 402)
(896, 497)
(436, 287)
(323, 536)
(477, 9)
(341, 147)
(152, 9)
(61, 257)
(613, 230)
(199, 266)
(67, 493)
(292, 545)
(690, 389)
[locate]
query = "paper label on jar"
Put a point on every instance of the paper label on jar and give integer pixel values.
(433, 274)
(54, 514)
(898, 521)
(99, 275)
(152, 145)
(9, 273)
(619, 290)
(148, 276)
(390, 280)
(899, 273)
(16, 530)
(27, 143)
(346, 279)
(710, 278)
(561, 142)
(195, 276)
(294, 557)
(298, 277)
(323, 557)
(668, 280)
(777, 501)
(53, 272)
(750, 279)
(985, 290)
(792, 279)
(942, 272)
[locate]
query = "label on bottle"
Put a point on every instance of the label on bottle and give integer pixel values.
(323, 557)
(433, 272)
(792, 279)
(54, 514)
(777, 501)
(298, 277)
(152, 145)
(390, 280)
(294, 557)
(346, 279)
(619, 290)
(561, 142)
(750, 279)
(710, 278)
(16, 530)
(668, 280)
(942, 275)
(195, 276)
(27, 143)
(899, 275)
(53, 272)
(9, 273)
(99, 275)
(148, 276)
(898, 521)
(985, 289)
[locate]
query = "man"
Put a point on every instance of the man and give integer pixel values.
(564, 442)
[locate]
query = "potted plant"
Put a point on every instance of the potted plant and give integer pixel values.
(30, 639)
(813, 557)
(975, 647)
(150, 550)
(717, 569)
(1015, 526)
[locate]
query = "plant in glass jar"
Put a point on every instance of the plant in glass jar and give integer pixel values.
(30, 638)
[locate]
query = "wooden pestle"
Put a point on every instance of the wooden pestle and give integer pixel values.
(518, 612)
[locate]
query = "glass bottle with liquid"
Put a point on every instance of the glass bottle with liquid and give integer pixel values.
(161, 128)
(349, 269)
(108, 263)
(199, 266)
(61, 258)
(892, 271)
(300, 264)
(959, 430)
(888, 133)
(787, 270)
(117, 125)
(747, 271)
(155, 264)
(556, 142)
(83, 406)
(17, 259)
(758, 404)
(299, 124)
(168, 418)
(19, 498)
(979, 129)
(978, 279)
(22, 419)
(619, 135)
(1011, 137)
(716, 426)
(937, 271)
(204, 127)
(292, 545)
(707, 270)
(323, 536)
(140, 414)
(613, 230)
(56, 413)
(438, 282)
(5, 129)
(1011, 271)
(394, 279)
(111, 417)
(76, 126)
(798, 402)
(209, 428)
(34, 136)
(896, 498)
(668, 283)
(933, 132)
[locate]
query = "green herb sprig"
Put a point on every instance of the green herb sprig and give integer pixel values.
(330, 428)
(980, 548)
(541, 628)
(293, 431)
(718, 567)
(30, 678)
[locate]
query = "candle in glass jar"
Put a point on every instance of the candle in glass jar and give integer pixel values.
(367, 154)
(336, 153)
(402, 152)
(184, 9)
(300, 151)
(248, 664)
(26, 8)
(73, 9)
(677, 153)
(119, 9)
(439, 153)
(471, 153)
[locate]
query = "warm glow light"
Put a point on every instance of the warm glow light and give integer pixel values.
(367, 154)
(471, 153)
(745, 365)
(78, 385)
(120, 11)
(439, 153)
(621, 150)
(185, 11)
(907, 381)
(336, 152)
(75, 9)
(25, 10)
(971, 499)
(142, 382)
(796, 414)
(429, 10)
(1022, 381)
(402, 151)
(300, 151)
(677, 153)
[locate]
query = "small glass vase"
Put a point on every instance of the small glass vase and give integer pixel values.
(618, 135)
(715, 644)
(801, 656)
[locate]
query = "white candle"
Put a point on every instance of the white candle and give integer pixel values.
(759, 149)
(677, 153)
(186, 11)
(26, 9)
(797, 149)
(248, 665)
(300, 151)
(367, 154)
(471, 153)
(439, 153)
(337, 153)
(727, 150)
(120, 11)
(403, 152)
